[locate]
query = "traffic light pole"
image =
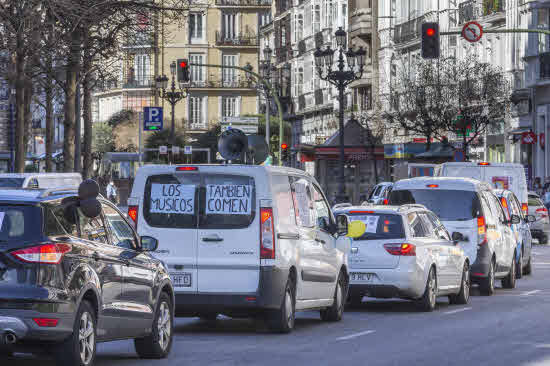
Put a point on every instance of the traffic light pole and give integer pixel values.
(541, 31)
(271, 90)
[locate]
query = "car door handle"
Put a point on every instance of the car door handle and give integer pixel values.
(211, 239)
(289, 236)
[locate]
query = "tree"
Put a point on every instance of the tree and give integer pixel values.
(375, 131)
(448, 98)
(161, 138)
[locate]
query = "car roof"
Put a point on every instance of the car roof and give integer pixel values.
(383, 209)
(163, 168)
(513, 165)
(451, 183)
(33, 196)
(28, 175)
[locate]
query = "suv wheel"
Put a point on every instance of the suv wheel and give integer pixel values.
(80, 348)
(528, 268)
(487, 284)
(282, 319)
(519, 266)
(510, 280)
(335, 312)
(158, 344)
(428, 300)
(463, 296)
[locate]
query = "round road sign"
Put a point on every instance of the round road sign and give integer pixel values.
(472, 31)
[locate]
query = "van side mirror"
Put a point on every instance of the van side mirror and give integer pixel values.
(457, 237)
(149, 244)
(515, 219)
(531, 218)
(342, 225)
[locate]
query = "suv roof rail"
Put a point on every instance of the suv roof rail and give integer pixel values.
(58, 191)
(408, 206)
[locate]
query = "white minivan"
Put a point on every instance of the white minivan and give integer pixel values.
(507, 176)
(244, 241)
(470, 210)
(40, 180)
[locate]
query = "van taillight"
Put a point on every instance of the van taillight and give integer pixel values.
(525, 208)
(267, 234)
(385, 202)
(133, 213)
(405, 249)
(481, 230)
(50, 253)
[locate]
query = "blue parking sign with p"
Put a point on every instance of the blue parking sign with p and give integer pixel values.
(152, 118)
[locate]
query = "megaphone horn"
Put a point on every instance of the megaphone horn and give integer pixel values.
(233, 144)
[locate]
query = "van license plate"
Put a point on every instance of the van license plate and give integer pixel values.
(362, 277)
(181, 279)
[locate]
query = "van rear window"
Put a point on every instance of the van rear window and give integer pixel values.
(449, 205)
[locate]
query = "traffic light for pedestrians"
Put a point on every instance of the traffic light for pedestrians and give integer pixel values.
(430, 40)
(183, 70)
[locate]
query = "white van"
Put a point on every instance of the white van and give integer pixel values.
(507, 176)
(469, 209)
(244, 240)
(40, 180)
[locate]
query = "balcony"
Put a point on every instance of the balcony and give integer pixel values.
(408, 31)
(244, 3)
(236, 81)
(466, 12)
(139, 40)
(237, 41)
(146, 83)
(490, 10)
(494, 10)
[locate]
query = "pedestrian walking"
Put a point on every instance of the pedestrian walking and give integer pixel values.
(537, 186)
(112, 192)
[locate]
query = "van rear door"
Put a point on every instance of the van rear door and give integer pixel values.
(170, 214)
(507, 177)
(229, 233)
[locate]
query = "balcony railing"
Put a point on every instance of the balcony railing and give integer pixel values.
(248, 3)
(218, 82)
(138, 83)
(239, 40)
(408, 31)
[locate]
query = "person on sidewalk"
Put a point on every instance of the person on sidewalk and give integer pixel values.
(112, 192)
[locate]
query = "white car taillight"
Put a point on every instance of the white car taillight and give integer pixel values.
(481, 231)
(50, 253)
(267, 234)
(404, 249)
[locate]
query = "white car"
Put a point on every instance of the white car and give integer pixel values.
(380, 193)
(244, 240)
(471, 209)
(540, 228)
(40, 180)
(406, 252)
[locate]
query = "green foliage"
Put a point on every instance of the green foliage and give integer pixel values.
(121, 117)
(208, 139)
(102, 138)
(274, 124)
(162, 138)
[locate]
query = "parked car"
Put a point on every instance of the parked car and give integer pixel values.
(39, 180)
(470, 208)
(520, 229)
(244, 241)
(540, 228)
(380, 193)
(70, 277)
(406, 252)
(499, 175)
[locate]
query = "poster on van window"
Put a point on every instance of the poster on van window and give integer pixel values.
(172, 198)
(371, 223)
(229, 199)
(502, 182)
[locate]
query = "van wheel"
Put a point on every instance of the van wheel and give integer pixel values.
(335, 312)
(519, 271)
(463, 296)
(428, 300)
(80, 348)
(158, 344)
(528, 268)
(282, 319)
(510, 280)
(487, 284)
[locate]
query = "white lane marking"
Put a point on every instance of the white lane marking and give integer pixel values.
(457, 311)
(355, 335)
(530, 293)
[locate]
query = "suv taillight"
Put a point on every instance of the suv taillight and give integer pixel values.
(481, 230)
(133, 213)
(543, 212)
(50, 253)
(267, 234)
(404, 249)
(525, 208)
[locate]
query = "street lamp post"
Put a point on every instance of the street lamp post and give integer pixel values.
(173, 96)
(340, 78)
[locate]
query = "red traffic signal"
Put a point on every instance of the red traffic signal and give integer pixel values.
(430, 32)
(183, 71)
(183, 63)
(430, 46)
(284, 146)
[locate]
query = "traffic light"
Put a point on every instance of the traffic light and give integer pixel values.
(285, 155)
(430, 40)
(183, 70)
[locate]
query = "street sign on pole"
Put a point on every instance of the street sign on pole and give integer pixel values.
(472, 32)
(249, 125)
(153, 118)
(175, 150)
(188, 150)
(163, 150)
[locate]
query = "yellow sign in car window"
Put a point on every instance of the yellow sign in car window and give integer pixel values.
(356, 229)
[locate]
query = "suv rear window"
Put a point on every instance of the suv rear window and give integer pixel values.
(379, 226)
(179, 200)
(449, 205)
(19, 223)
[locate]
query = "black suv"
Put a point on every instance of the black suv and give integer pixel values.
(73, 272)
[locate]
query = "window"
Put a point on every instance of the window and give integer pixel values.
(379, 226)
(196, 28)
(283, 199)
(322, 211)
(300, 28)
(363, 98)
(196, 112)
(229, 25)
(120, 232)
(11, 182)
(196, 72)
(229, 76)
(264, 18)
(92, 229)
(317, 19)
(441, 232)
(303, 202)
(65, 216)
(283, 36)
(417, 228)
(230, 106)
(344, 18)
(300, 81)
(429, 225)
(19, 224)
(142, 68)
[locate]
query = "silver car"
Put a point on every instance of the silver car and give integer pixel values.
(540, 228)
(406, 252)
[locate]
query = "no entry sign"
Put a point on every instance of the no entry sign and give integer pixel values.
(472, 31)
